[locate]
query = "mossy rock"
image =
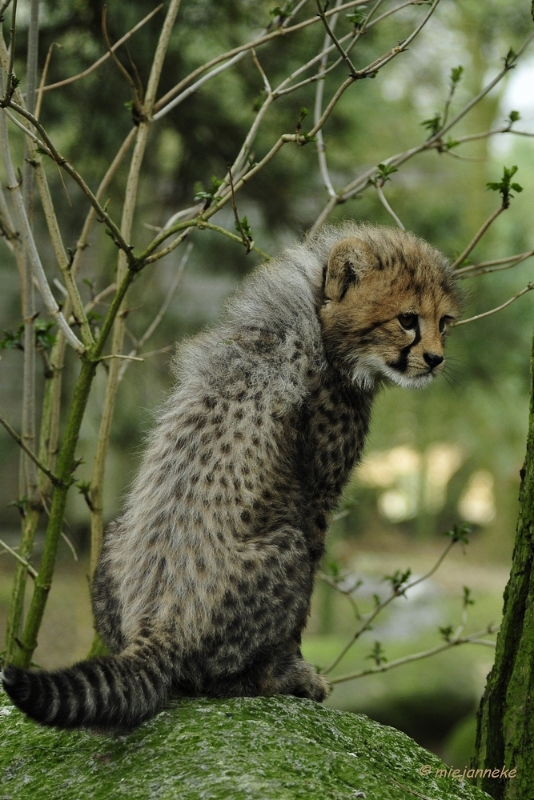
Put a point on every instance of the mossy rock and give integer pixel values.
(238, 749)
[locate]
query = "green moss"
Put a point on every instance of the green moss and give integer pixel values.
(238, 749)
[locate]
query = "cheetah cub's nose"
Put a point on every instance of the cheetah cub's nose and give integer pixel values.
(432, 359)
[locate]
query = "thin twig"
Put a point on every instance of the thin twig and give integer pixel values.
(53, 478)
(387, 206)
(527, 288)
(352, 36)
(344, 55)
(319, 92)
(3, 8)
(247, 241)
(387, 665)
(266, 84)
(29, 568)
(103, 58)
(169, 295)
(139, 344)
(100, 296)
(10, 88)
(478, 236)
(373, 68)
(380, 606)
(222, 195)
(29, 242)
(434, 142)
(43, 78)
(81, 244)
(483, 266)
(179, 92)
(49, 148)
(135, 90)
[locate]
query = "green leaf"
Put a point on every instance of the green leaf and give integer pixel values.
(44, 339)
(332, 569)
(447, 632)
(384, 171)
(377, 654)
(466, 599)
(456, 75)
(509, 59)
(358, 17)
(12, 340)
(282, 12)
(398, 579)
(460, 533)
(432, 125)
(505, 186)
(207, 196)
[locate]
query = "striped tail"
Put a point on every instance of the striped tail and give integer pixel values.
(107, 692)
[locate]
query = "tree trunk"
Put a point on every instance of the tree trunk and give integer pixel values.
(505, 736)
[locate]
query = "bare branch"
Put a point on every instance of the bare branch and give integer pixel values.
(527, 288)
(319, 92)
(100, 296)
(81, 244)
(434, 142)
(387, 206)
(31, 571)
(372, 68)
(266, 84)
(478, 236)
(49, 148)
(10, 85)
(166, 103)
(103, 58)
(387, 665)
(134, 88)
(508, 65)
(3, 8)
(29, 242)
(60, 252)
(333, 37)
(53, 478)
(162, 311)
(380, 606)
(483, 267)
(123, 275)
(42, 82)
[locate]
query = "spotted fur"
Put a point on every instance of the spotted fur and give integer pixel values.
(204, 583)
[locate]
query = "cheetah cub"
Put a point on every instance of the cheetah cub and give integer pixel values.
(204, 583)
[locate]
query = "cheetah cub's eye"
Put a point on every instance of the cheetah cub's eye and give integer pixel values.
(444, 323)
(408, 321)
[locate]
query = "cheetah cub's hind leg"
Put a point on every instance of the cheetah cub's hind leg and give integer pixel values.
(292, 675)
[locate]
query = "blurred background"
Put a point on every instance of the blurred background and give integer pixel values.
(443, 456)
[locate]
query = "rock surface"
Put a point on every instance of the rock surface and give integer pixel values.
(238, 749)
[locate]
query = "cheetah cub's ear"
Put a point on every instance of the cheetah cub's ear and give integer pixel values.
(349, 259)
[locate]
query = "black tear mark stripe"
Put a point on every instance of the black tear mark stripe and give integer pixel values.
(401, 364)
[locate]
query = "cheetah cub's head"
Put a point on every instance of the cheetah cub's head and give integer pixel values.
(388, 300)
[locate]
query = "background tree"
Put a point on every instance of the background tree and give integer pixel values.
(505, 718)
